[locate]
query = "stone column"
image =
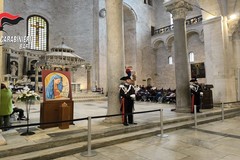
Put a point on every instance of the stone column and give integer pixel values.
(179, 9)
(36, 77)
(115, 55)
(88, 68)
(25, 64)
(232, 59)
(219, 60)
(8, 67)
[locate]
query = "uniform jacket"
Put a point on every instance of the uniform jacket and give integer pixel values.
(125, 92)
(196, 91)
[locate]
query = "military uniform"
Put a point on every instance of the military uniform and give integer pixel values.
(196, 92)
(127, 95)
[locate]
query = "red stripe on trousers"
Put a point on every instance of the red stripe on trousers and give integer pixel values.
(192, 109)
(123, 110)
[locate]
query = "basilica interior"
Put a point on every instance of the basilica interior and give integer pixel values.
(162, 45)
(164, 42)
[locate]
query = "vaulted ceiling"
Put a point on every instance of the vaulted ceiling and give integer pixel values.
(229, 7)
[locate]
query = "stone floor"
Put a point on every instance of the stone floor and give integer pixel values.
(213, 141)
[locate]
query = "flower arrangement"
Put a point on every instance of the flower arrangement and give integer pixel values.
(26, 95)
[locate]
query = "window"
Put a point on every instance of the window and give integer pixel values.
(191, 57)
(171, 19)
(38, 31)
(152, 30)
(170, 60)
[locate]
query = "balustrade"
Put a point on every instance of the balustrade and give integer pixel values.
(166, 29)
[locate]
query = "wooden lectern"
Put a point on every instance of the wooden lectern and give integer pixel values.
(50, 111)
(57, 102)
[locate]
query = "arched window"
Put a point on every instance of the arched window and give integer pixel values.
(170, 60)
(149, 82)
(191, 57)
(37, 29)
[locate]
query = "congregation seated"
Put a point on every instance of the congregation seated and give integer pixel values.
(152, 94)
(158, 96)
(170, 97)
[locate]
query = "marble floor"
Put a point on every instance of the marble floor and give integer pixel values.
(218, 140)
(213, 141)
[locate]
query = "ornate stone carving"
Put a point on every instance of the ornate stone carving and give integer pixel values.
(88, 67)
(232, 26)
(178, 9)
(102, 13)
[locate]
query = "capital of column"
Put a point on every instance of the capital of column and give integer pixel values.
(88, 67)
(232, 26)
(178, 8)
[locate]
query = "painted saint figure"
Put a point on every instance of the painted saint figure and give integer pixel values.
(54, 88)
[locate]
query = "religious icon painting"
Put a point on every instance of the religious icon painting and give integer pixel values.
(56, 85)
(198, 70)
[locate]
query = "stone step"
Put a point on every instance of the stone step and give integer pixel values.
(90, 96)
(76, 142)
(85, 99)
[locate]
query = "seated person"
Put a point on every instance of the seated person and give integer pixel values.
(170, 97)
(19, 111)
(158, 96)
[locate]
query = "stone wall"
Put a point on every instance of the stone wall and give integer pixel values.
(72, 21)
(79, 24)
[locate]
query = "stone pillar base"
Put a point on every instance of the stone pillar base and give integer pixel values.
(183, 109)
(113, 120)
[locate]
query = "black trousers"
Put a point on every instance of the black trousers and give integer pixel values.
(128, 117)
(5, 121)
(127, 110)
(19, 111)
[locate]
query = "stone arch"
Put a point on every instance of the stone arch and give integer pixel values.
(130, 37)
(158, 43)
(32, 63)
(132, 11)
(196, 47)
(149, 81)
(168, 43)
(31, 67)
(198, 32)
(42, 14)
